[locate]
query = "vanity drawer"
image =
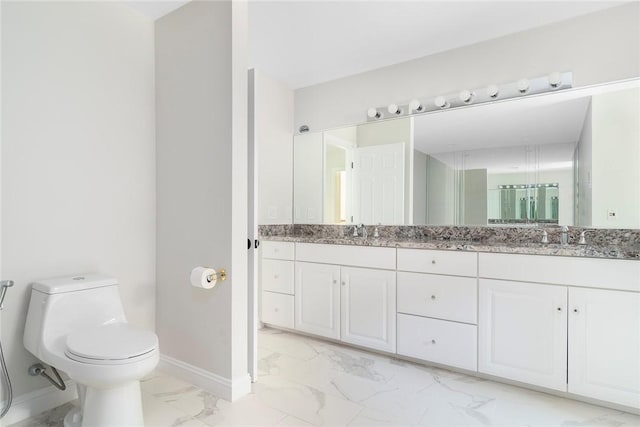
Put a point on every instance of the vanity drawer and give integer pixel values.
(438, 262)
(562, 270)
(438, 341)
(278, 250)
(277, 309)
(277, 276)
(442, 297)
(356, 256)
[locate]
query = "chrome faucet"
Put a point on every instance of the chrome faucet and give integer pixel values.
(564, 238)
(545, 236)
(363, 231)
(582, 240)
(355, 231)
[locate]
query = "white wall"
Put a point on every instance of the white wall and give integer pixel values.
(599, 47)
(583, 174)
(78, 168)
(273, 103)
(616, 159)
(201, 163)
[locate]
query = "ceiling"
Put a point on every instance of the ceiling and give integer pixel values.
(494, 135)
(302, 43)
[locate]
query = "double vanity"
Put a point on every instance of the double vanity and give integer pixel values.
(567, 324)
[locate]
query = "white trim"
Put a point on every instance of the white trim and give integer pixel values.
(220, 386)
(36, 402)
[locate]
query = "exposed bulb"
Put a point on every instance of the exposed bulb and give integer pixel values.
(493, 91)
(555, 79)
(415, 105)
(441, 102)
(394, 109)
(523, 85)
(465, 96)
(372, 113)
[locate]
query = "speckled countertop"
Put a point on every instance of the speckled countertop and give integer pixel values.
(601, 243)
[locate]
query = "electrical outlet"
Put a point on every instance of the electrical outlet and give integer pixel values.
(612, 215)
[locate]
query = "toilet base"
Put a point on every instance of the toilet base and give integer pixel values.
(73, 418)
(111, 407)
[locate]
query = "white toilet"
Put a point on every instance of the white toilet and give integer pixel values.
(77, 325)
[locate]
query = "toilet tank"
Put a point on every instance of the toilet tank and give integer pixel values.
(61, 305)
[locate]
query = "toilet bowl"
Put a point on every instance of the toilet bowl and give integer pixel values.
(77, 325)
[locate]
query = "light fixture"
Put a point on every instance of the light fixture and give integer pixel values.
(523, 85)
(394, 109)
(493, 91)
(373, 113)
(441, 102)
(415, 105)
(304, 128)
(555, 79)
(465, 96)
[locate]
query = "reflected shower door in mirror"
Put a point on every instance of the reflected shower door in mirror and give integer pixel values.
(569, 158)
(353, 175)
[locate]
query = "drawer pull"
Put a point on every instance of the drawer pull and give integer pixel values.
(433, 261)
(433, 341)
(433, 297)
(335, 281)
(344, 283)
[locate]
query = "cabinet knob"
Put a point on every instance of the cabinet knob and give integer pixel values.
(433, 297)
(559, 308)
(433, 341)
(433, 261)
(276, 310)
(275, 276)
(575, 310)
(344, 283)
(335, 281)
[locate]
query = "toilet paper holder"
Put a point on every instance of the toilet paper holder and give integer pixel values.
(219, 274)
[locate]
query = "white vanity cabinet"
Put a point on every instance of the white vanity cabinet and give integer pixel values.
(276, 280)
(583, 338)
(317, 299)
(437, 313)
(523, 332)
(340, 294)
(368, 307)
(604, 345)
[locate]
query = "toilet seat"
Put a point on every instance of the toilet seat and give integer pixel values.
(110, 344)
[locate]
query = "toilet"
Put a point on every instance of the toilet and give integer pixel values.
(78, 325)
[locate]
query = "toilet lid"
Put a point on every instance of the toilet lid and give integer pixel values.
(115, 341)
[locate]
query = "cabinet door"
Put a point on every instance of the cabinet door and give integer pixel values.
(604, 345)
(368, 308)
(523, 332)
(317, 299)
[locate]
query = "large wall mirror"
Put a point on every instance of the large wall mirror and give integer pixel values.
(569, 158)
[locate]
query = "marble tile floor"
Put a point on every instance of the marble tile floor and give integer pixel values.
(309, 382)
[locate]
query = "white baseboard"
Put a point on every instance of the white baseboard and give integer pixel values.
(30, 404)
(213, 383)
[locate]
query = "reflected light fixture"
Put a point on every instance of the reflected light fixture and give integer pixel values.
(373, 113)
(394, 109)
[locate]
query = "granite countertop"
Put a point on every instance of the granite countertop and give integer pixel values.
(573, 250)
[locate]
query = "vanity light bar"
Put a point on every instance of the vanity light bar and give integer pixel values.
(523, 87)
(520, 186)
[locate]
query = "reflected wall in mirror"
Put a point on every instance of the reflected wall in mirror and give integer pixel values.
(569, 158)
(356, 174)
